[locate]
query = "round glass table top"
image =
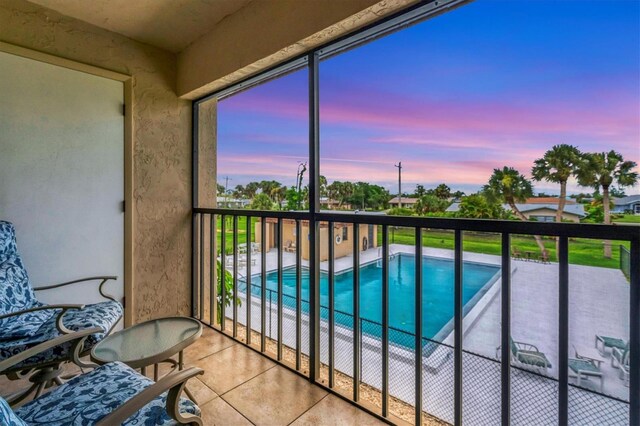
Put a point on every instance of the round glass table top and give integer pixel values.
(148, 342)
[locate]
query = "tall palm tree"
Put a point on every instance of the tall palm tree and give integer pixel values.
(557, 165)
(601, 170)
(510, 186)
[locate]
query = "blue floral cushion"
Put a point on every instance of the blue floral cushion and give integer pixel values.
(105, 315)
(16, 294)
(88, 398)
(7, 240)
(8, 417)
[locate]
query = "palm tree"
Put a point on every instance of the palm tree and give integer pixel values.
(510, 186)
(557, 165)
(601, 170)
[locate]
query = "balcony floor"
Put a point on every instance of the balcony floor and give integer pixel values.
(242, 387)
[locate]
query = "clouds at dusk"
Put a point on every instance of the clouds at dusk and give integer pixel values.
(452, 98)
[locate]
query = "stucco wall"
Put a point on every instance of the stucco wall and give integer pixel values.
(161, 136)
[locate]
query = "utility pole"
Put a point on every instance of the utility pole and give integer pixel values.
(399, 166)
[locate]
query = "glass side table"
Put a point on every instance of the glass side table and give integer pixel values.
(149, 343)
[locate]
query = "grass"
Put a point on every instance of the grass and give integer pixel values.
(581, 251)
(242, 232)
(628, 218)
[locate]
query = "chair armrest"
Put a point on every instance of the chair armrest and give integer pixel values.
(174, 383)
(103, 280)
(77, 336)
(526, 346)
(42, 308)
(594, 361)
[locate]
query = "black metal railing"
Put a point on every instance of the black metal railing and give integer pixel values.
(625, 261)
(440, 376)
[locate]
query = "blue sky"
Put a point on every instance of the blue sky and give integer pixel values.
(489, 84)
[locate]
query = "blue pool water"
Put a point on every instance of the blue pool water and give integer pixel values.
(438, 289)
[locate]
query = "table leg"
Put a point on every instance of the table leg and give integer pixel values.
(143, 370)
(155, 372)
(180, 368)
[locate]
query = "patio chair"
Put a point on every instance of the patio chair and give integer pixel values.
(603, 342)
(584, 367)
(289, 246)
(527, 355)
(618, 356)
(623, 365)
(544, 257)
(25, 322)
(111, 394)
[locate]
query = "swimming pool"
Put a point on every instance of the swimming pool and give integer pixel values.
(437, 296)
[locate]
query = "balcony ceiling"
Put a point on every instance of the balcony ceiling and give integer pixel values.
(168, 24)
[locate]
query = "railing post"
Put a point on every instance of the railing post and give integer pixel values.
(223, 272)
(263, 283)
(331, 319)
(634, 332)
(385, 321)
(194, 268)
(505, 348)
(235, 276)
(201, 283)
(279, 295)
(248, 281)
(563, 331)
(213, 270)
(458, 328)
(418, 325)
(356, 312)
(298, 296)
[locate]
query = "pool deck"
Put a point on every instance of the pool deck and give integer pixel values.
(599, 304)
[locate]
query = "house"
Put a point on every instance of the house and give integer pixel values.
(405, 202)
(342, 237)
(331, 204)
(628, 205)
(542, 209)
(232, 203)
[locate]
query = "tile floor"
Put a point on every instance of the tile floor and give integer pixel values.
(241, 387)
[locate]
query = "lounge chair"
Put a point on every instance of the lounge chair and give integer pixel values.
(604, 342)
(289, 246)
(624, 365)
(618, 356)
(25, 322)
(111, 394)
(544, 257)
(584, 367)
(527, 355)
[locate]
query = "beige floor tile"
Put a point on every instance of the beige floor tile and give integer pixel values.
(201, 392)
(276, 397)
(209, 343)
(230, 367)
(334, 411)
(218, 412)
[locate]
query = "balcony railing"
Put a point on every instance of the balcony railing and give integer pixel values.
(274, 304)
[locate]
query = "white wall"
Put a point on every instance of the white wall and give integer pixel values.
(62, 174)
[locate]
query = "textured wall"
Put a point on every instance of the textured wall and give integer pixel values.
(162, 157)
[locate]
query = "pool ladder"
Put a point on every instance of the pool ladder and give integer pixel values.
(392, 254)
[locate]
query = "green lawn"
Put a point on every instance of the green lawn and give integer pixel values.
(581, 251)
(628, 218)
(242, 232)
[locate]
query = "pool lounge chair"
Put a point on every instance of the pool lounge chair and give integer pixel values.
(289, 246)
(603, 342)
(618, 356)
(584, 367)
(527, 355)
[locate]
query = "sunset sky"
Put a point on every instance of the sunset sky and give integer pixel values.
(490, 84)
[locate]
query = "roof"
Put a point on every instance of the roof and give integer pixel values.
(573, 209)
(627, 200)
(405, 200)
(547, 200)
